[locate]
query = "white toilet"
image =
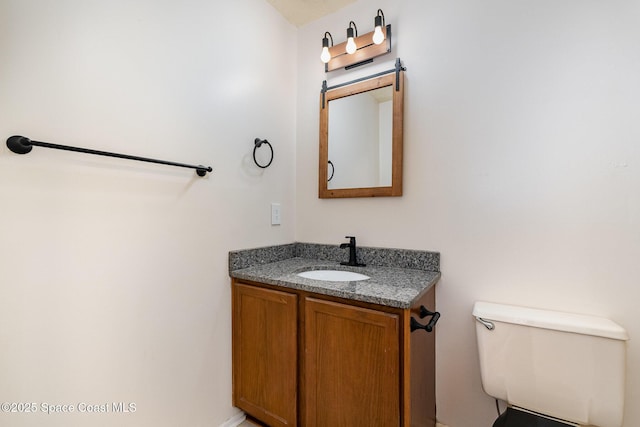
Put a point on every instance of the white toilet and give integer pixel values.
(552, 368)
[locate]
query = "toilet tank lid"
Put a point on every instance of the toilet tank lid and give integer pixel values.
(548, 319)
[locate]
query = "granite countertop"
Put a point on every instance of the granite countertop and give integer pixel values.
(397, 277)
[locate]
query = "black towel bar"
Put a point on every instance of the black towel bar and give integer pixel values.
(23, 145)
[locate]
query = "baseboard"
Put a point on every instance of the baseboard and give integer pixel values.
(236, 420)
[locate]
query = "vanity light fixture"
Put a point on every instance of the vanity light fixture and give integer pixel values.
(325, 56)
(351, 44)
(357, 50)
(378, 35)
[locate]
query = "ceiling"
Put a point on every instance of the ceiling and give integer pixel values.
(300, 12)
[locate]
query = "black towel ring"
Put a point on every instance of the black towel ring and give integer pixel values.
(258, 142)
(333, 169)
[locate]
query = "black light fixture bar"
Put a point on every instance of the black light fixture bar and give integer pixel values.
(23, 145)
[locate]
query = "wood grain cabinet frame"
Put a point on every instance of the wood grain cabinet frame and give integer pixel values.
(303, 359)
(265, 354)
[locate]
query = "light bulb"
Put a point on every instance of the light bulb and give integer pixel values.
(351, 46)
(325, 56)
(351, 43)
(378, 35)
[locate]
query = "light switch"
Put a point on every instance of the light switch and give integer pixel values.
(275, 213)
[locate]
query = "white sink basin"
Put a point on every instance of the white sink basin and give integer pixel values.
(333, 275)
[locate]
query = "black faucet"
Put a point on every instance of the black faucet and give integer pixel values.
(353, 262)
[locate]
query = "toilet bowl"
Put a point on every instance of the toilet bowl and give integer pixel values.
(553, 369)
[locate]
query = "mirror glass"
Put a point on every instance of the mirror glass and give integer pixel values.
(361, 139)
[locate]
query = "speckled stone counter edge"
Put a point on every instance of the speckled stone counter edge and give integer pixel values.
(378, 257)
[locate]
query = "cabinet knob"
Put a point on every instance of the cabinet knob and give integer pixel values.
(424, 313)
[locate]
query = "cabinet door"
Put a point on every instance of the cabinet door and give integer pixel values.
(265, 354)
(351, 366)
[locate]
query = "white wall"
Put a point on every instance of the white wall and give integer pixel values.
(113, 274)
(522, 158)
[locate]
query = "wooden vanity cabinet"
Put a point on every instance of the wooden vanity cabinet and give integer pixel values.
(349, 353)
(337, 363)
(265, 353)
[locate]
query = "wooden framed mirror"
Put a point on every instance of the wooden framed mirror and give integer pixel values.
(361, 138)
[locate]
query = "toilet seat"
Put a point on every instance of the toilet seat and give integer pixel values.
(515, 417)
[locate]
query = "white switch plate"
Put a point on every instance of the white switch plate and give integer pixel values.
(275, 214)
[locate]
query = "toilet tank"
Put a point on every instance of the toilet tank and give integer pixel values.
(564, 365)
